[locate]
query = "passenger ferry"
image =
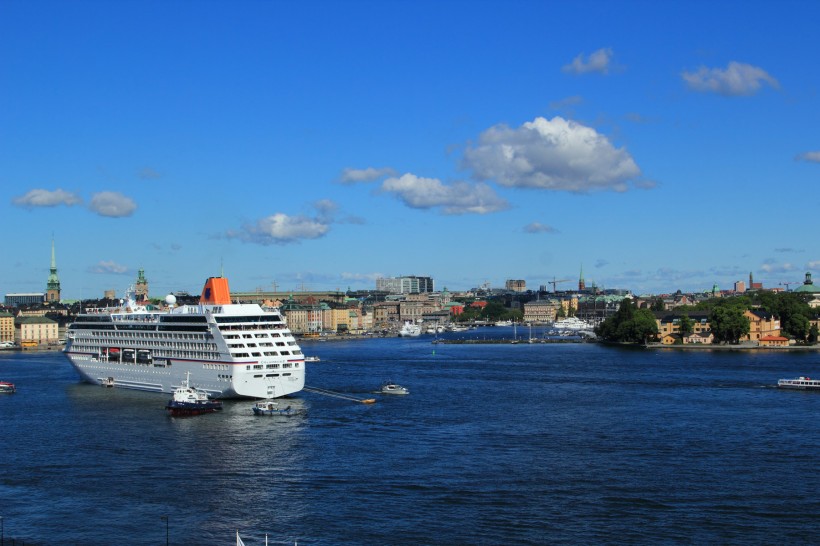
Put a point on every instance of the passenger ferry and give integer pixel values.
(230, 350)
(800, 383)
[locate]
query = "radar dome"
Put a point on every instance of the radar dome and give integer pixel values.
(170, 299)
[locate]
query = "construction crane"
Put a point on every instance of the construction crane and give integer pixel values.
(787, 284)
(553, 282)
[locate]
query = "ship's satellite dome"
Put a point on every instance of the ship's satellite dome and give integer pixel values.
(170, 299)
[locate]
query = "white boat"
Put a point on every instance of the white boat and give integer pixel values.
(188, 400)
(799, 383)
(410, 329)
(7, 387)
(271, 407)
(312, 359)
(504, 323)
(393, 388)
(571, 323)
(230, 350)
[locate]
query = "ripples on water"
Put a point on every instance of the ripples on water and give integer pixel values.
(496, 444)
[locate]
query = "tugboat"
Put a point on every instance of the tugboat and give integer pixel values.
(7, 388)
(188, 400)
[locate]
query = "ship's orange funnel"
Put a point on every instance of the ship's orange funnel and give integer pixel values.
(216, 291)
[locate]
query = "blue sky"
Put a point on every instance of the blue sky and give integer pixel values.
(319, 145)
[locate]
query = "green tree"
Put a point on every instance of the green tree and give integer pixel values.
(728, 323)
(686, 326)
(628, 325)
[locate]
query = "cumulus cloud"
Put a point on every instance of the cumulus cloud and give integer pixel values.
(556, 154)
(46, 198)
(735, 80)
(814, 264)
(813, 157)
(457, 198)
(352, 176)
(597, 61)
(770, 266)
(112, 204)
(361, 277)
(538, 227)
(280, 228)
(108, 267)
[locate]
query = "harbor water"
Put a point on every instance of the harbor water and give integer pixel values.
(495, 444)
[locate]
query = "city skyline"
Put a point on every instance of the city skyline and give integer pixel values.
(323, 145)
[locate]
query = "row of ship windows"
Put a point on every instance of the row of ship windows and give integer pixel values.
(261, 326)
(266, 353)
(142, 335)
(271, 366)
(267, 344)
(251, 336)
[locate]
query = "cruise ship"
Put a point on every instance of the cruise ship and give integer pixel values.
(230, 350)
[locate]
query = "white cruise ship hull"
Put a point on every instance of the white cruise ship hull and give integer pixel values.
(228, 350)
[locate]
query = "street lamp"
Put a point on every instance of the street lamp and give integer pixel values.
(166, 529)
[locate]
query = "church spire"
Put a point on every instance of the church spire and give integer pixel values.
(581, 284)
(53, 284)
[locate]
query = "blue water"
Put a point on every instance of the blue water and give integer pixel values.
(496, 444)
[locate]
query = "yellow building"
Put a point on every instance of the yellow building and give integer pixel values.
(761, 324)
(35, 331)
(6, 326)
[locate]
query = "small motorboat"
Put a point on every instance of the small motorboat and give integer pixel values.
(312, 359)
(392, 388)
(188, 400)
(271, 407)
(7, 388)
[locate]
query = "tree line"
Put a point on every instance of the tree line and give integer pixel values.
(726, 318)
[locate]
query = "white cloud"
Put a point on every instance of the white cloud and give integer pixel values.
(735, 80)
(352, 176)
(771, 267)
(457, 198)
(597, 61)
(108, 267)
(556, 154)
(46, 198)
(538, 227)
(361, 277)
(814, 264)
(112, 204)
(281, 229)
(813, 157)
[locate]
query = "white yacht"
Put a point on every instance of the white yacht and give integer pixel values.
(410, 329)
(230, 350)
(571, 323)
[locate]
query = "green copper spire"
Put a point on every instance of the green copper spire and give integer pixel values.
(53, 284)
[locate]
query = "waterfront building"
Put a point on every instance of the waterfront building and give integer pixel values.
(669, 327)
(34, 331)
(53, 283)
(6, 326)
(761, 324)
(541, 311)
